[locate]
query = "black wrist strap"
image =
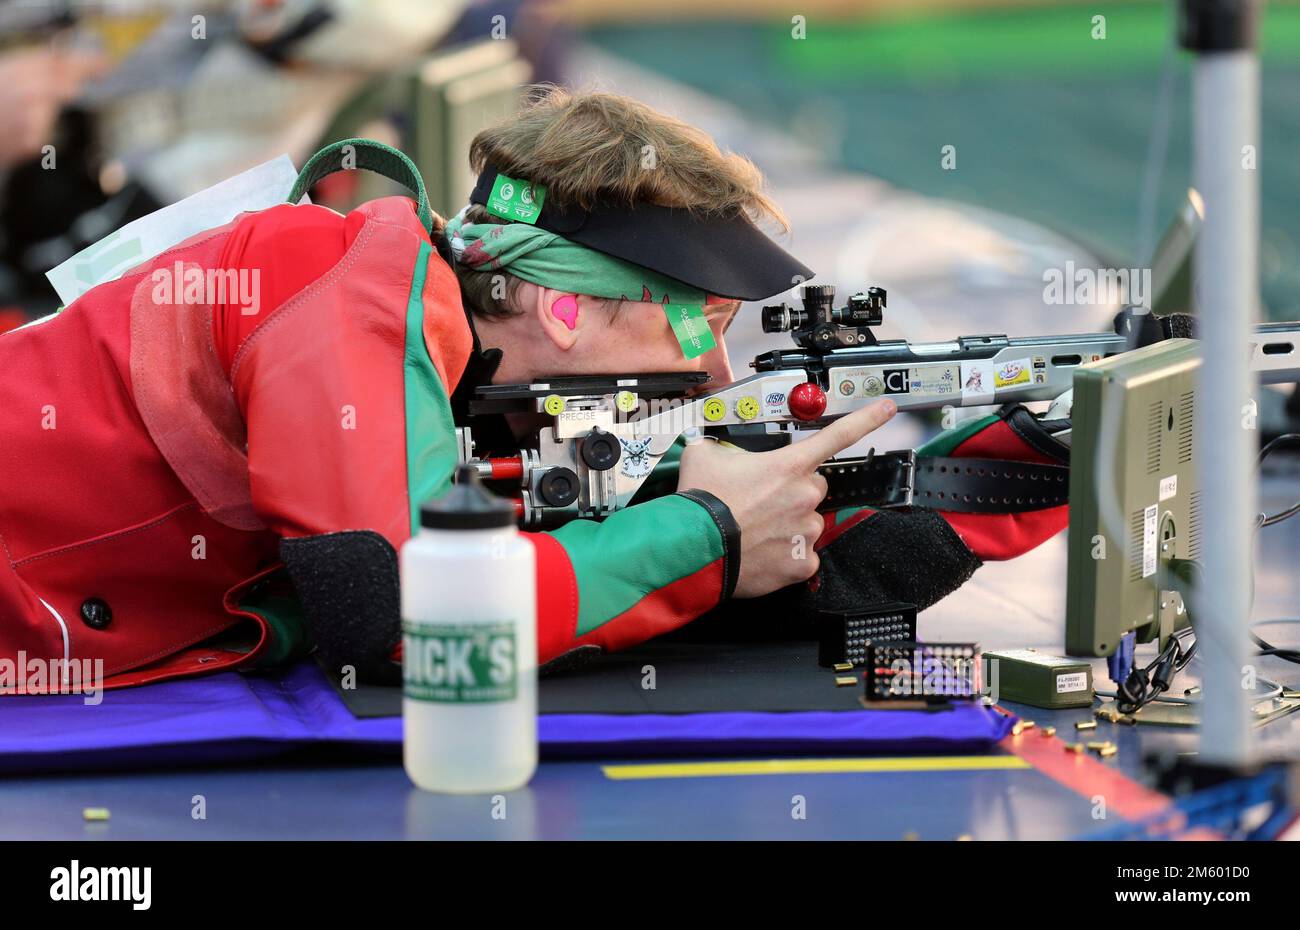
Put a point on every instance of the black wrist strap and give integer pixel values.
(958, 485)
(730, 531)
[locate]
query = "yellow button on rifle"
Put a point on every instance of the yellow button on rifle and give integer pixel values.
(554, 405)
(625, 401)
(747, 408)
(714, 409)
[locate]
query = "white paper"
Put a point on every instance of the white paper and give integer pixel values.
(140, 240)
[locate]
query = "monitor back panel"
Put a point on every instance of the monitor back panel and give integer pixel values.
(1134, 493)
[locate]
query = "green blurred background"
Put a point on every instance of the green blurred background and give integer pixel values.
(1087, 136)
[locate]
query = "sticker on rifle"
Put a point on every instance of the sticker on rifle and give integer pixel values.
(977, 382)
(516, 200)
(924, 381)
(775, 403)
(1149, 517)
(932, 381)
(459, 663)
(1011, 374)
(691, 328)
(897, 380)
(846, 383)
(1168, 488)
(576, 420)
(636, 462)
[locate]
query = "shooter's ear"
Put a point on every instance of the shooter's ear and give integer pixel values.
(558, 314)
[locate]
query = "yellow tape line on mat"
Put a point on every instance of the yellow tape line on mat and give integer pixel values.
(811, 766)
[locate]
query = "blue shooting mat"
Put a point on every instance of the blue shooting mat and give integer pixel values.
(234, 716)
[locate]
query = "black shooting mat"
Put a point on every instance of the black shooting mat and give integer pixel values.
(742, 656)
(726, 661)
(687, 678)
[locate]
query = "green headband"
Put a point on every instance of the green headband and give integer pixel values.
(552, 261)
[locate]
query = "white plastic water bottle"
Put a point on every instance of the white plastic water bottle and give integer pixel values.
(469, 645)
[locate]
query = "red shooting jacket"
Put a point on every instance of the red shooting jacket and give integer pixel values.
(157, 444)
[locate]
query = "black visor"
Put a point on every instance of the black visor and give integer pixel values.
(725, 256)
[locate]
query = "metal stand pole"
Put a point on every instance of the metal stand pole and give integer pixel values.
(1222, 34)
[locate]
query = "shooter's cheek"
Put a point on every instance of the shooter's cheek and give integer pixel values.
(719, 366)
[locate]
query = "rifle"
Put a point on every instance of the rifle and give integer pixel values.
(605, 434)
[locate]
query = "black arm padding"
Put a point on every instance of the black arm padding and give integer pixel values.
(350, 591)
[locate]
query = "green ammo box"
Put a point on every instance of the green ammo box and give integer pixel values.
(1038, 679)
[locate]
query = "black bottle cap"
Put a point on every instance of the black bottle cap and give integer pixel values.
(467, 506)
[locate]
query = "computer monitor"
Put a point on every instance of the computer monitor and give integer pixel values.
(1134, 496)
(457, 93)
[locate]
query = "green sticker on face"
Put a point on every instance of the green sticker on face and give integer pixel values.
(692, 330)
(514, 200)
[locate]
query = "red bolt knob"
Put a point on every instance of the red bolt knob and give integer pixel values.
(807, 402)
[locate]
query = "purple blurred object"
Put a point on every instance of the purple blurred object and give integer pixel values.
(232, 717)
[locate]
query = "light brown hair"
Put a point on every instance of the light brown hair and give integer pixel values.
(602, 148)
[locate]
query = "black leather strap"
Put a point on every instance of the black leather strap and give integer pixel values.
(1034, 432)
(730, 531)
(957, 485)
(967, 485)
(883, 481)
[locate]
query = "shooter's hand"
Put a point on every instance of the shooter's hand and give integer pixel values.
(774, 496)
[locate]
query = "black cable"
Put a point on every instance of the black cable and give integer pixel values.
(1144, 685)
(1269, 447)
(1262, 520)
(1268, 649)
(1187, 653)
